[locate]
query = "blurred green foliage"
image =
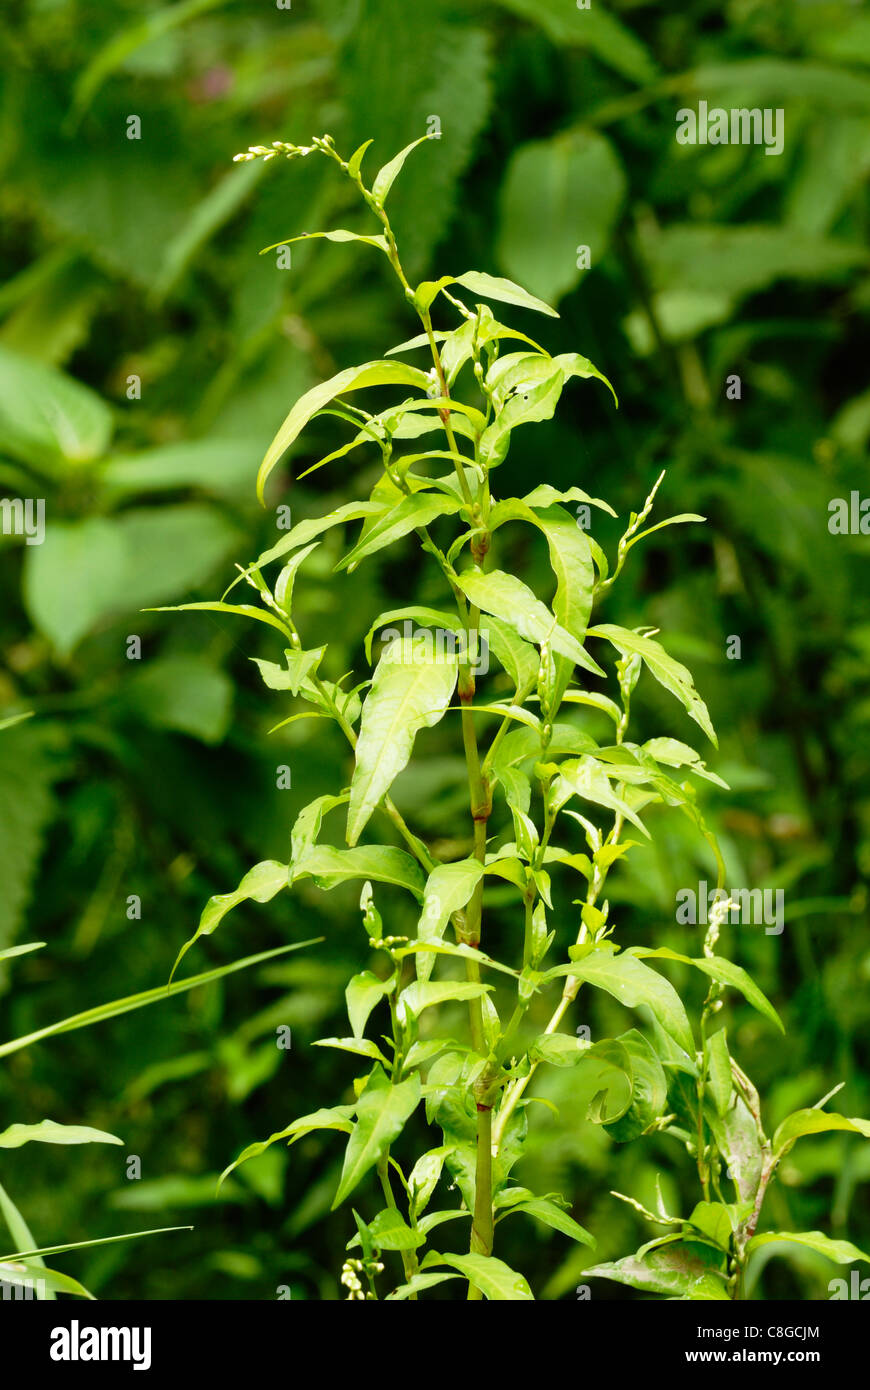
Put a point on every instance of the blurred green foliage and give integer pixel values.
(147, 356)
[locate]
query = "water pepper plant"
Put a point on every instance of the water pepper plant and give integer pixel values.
(538, 783)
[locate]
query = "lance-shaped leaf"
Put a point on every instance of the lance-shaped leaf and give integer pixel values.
(50, 1132)
(386, 176)
(382, 1112)
(724, 972)
(448, 889)
(337, 1117)
(329, 867)
(804, 1122)
(148, 996)
(670, 673)
(23, 1239)
(430, 617)
(508, 598)
(338, 235)
(419, 995)
(18, 1273)
(363, 992)
(585, 777)
(496, 1280)
(410, 691)
(420, 509)
(842, 1252)
(24, 950)
(552, 1215)
(633, 984)
(351, 379)
(676, 1269)
(300, 665)
(259, 884)
(497, 287)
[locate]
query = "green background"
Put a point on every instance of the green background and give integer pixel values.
(137, 258)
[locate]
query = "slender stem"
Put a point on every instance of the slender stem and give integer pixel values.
(482, 1222)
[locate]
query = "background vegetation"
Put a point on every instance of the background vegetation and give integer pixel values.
(134, 259)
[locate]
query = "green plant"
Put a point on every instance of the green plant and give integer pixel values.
(667, 1078)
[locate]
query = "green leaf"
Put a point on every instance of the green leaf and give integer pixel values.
(360, 1047)
(558, 1049)
(329, 867)
(496, 1280)
(431, 617)
(52, 1280)
(351, 379)
(389, 1232)
(842, 1252)
(554, 1216)
(424, 1177)
(49, 1132)
(803, 1122)
(508, 598)
(557, 193)
(713, 1220)
(148, 996)
(677, 1270)
(495, 287)
(419, 1283)
(719, 1079)
(338, 235)
(260, 884)
(420, 509)
(238, 610)
(422, 995)
(633, 984)
(668, 672)
(337, 1118)
(363, 992)
(585, 777)
(410, 691)
(21, 1236)
(46, 417)
(386, 176)
(300, 665)
(382, 1112)
(21, 950)
(448, 888)
(29, 1254)
(725, 972)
